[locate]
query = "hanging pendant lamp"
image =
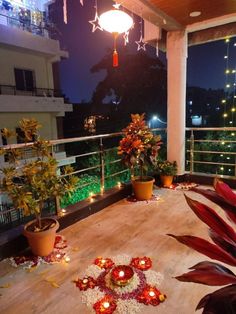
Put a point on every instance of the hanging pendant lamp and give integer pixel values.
(115, 22)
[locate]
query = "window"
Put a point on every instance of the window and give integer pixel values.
(20, 137)
(24, 79)
(4, 140)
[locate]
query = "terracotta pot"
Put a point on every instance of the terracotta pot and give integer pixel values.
(41, 243)
(143, 189)
(166, 181)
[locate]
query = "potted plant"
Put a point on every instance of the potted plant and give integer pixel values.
(139, 148)
(222, 248)
(29, 182)
(167, 170)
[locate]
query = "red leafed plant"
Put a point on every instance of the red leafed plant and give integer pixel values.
(223, 249)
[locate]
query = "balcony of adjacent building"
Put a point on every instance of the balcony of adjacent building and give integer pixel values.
(23, 28)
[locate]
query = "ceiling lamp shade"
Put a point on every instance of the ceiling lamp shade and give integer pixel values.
(115, 22)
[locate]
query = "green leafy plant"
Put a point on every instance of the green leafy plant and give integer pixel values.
(222, 249)
(29, 182)
(139, 146)
(166, 168)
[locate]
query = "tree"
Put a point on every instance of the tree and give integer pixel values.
(138, 84)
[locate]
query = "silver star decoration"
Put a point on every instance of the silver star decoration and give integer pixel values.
(95, 23)
(141, 44)
(126, 37)
(116, 6)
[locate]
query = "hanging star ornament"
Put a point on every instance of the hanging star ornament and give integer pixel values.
(157, 49)
(116, 6)
(141, 44)
(126, 37)
(95, 23)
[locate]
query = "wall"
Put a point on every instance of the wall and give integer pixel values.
(47, 120)
(9, 59)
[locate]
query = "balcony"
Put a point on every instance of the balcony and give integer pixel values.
(35, 100)
(34, 38)
(103, 178)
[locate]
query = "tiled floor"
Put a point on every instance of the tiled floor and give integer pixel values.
(136, 229)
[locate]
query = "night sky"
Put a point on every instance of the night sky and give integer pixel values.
(205, 69)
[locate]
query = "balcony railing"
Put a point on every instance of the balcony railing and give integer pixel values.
(43, 92)
(96, 163)
(211, 151)
(18, 23)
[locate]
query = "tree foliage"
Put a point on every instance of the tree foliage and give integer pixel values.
(138, 82)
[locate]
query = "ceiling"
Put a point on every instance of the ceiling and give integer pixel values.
(175, 14)
(180, 9)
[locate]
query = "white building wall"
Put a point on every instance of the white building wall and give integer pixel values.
(10, 59)
(47, 120)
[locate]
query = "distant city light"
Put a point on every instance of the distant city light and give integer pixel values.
(233, 71)
(225, 57)
(225, 115)
(223, 101)
(227, 86)
(227, 71)
(233, 109)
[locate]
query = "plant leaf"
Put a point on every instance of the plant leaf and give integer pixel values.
(206, 248)
(209, 273)
(213, 220)
(231, 249)
(219, 200)
(225, 191)
(221, 301)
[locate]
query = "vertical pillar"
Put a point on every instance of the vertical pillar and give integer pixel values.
(176, 98)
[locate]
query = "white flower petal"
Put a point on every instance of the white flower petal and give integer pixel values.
(153, 278)
(93, 271)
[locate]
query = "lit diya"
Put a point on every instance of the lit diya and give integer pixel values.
(121, 275)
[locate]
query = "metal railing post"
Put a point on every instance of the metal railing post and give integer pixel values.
(235, 166)
(102, 165)
(192, 152)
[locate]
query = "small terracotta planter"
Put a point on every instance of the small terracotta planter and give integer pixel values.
(143, 189)
(42, 242)
(166, 181)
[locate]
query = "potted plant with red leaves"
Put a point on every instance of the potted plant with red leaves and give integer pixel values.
(223, 249)
(139, 148)
(29, 182)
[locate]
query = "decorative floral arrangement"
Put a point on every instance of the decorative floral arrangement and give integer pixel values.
(166, 168)
(120, 285)
(139, 146)
(221, 248)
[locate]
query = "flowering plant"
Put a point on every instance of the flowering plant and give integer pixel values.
(139, 146)
(166, 168)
